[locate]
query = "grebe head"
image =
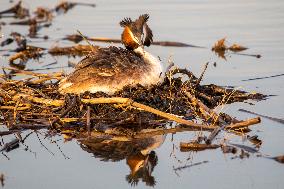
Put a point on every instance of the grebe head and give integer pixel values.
(136, 33)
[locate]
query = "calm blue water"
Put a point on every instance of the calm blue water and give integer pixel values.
(258, 25)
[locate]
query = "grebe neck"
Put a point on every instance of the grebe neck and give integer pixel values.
(148, 57)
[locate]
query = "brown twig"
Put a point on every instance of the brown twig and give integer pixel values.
(26, 54)
(207, 112)
(190, 75)
(197, 147)
(202, 74)
(19, 108)
(47, 102)
(130, 102)
(66, 111)
(88, 116)
(92, 47)
(244, 123)
(25, 72)
(236, 126)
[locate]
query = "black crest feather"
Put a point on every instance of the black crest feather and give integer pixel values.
(144, 18)
(148, 36)
(125, 22)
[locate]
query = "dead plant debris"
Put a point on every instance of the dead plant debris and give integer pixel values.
(36, 100)
(28, 53)
(17, 11)
(194, 146)
(221, 49)
(279, 159)
(65, 6)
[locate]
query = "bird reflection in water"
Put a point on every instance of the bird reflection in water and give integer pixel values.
(138, 153)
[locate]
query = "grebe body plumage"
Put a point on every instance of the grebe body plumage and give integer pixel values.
(110, 69)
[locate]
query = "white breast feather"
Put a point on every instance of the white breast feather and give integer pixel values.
(153, 76)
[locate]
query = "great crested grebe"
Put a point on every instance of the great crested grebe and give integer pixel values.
(110, 69)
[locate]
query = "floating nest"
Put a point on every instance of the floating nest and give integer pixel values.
(35, 103)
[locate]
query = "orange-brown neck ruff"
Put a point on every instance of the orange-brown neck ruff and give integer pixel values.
(128, 39)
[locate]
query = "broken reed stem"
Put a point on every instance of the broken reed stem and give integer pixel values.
(20, 107)
(198, 147)
(69, 108)
(235, 126)
(88, 116)
(244, 123)
(25, 72)
(202, 74)
(207, 112)
(92, 47)
(130, 102)
(190, 75)
(213, 134)
(47, 102)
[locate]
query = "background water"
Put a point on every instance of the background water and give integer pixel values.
(258, 25)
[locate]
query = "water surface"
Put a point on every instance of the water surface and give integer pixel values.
(258, 25)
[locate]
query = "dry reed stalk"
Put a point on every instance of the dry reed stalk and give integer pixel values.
(130, 102)
(243, 124)
(207, 112)
(47, 102)
(197, 146)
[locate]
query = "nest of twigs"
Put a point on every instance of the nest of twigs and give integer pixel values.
(35, 102)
